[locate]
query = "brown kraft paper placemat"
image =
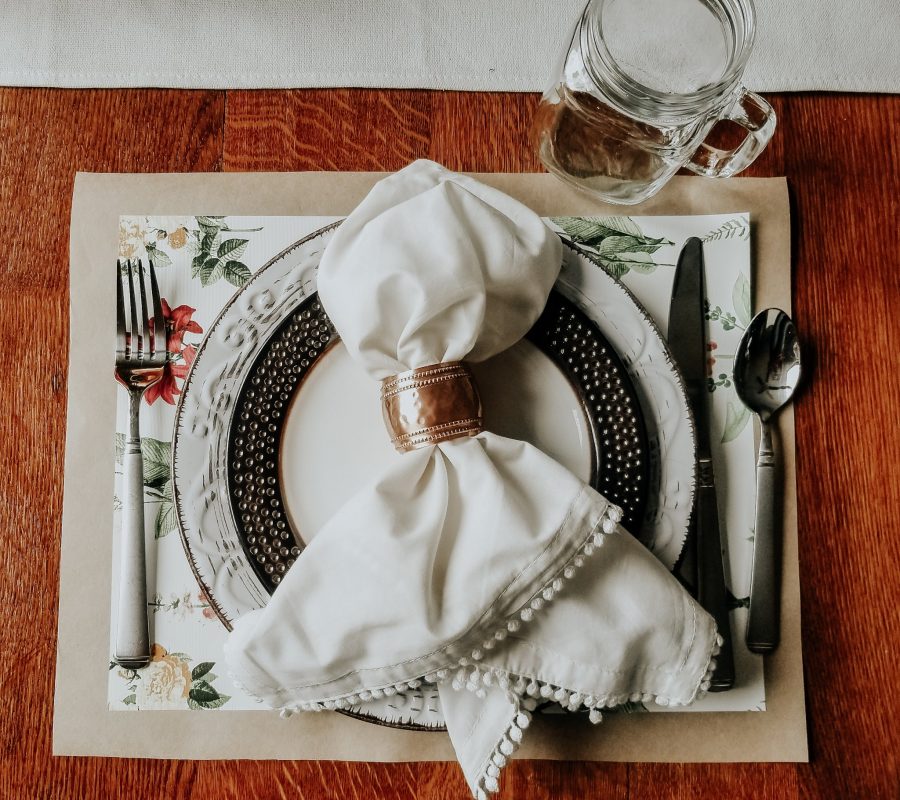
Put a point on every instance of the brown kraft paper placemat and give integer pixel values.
(82, 724)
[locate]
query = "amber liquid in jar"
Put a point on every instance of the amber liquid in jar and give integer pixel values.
(597, 147)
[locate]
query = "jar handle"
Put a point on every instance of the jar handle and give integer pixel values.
(757, 117)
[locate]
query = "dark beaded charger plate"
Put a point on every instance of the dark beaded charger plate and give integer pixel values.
(619, 466)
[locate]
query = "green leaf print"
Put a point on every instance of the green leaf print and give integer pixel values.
(201, 669)
(236, 273)
(615, 225)
(157, 257)
(210, 222)
(583, 230)
(727, 320)
(736, 227)
(211, 271)
(639, 262)
(210, 242)
(203, 695)
(614, 245)
(736, 417)
(740, 297)
(232, 248)
(197, 263)
(156, 454)
(196, 705)
(213, 256)
(202, 692)
(614, 269)
(166, 521)
(156, 461)
(593, 230)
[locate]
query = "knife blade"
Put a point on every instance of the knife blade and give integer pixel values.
(687, 343)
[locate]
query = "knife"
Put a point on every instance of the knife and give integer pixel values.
(687, 342)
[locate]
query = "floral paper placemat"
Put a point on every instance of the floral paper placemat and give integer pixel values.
(200, 261)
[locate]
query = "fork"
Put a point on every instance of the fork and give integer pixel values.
(141, 355)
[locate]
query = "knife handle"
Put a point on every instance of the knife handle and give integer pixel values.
(711, 592)
(765, 583)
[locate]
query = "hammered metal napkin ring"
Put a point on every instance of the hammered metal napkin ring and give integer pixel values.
(431, 404)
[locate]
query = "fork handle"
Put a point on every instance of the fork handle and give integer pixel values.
(132, 648)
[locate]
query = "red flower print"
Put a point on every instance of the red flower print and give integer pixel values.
(206, 605)
(181, 356)
(711, 360)
(179, 322)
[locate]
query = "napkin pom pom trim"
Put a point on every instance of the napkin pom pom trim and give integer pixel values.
(606, 526)
(487, 782)
(525, 690)
(529, 704)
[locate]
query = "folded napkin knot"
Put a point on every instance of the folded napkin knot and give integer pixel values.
(481, 567)
(432, 404)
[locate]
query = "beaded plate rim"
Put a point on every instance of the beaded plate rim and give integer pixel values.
(269, 539)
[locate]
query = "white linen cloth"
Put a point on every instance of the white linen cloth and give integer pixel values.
(457, 44)
(478, 564)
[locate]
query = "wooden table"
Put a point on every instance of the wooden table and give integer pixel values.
(840, 154)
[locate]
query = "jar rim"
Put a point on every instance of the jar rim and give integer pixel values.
(739, 16)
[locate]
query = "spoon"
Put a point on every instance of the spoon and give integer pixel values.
(766, 373)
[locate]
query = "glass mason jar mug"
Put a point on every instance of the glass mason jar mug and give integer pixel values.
(639, 87)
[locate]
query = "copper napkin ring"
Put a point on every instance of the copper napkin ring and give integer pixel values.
(431, 404)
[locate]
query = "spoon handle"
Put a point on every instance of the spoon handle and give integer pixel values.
(765, 583)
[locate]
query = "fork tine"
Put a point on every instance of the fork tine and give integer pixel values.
(135, 330)
(160, 335)
(146, 349)
(121, 341)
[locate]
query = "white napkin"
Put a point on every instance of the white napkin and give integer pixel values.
(478, 564)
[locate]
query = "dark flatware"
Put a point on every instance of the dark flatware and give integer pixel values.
(687, 341)
(766, 373)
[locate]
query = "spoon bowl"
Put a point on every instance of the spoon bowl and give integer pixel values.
(766, 373)
(767, 364)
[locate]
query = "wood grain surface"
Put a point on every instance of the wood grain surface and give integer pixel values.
(840, 154)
